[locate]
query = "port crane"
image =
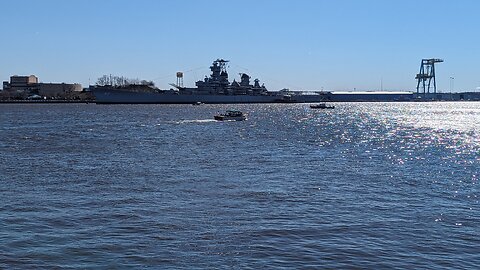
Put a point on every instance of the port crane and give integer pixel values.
(427, 75)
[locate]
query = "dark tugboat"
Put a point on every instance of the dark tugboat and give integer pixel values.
(322, 106)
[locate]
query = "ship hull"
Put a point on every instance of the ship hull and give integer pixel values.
(115, 96)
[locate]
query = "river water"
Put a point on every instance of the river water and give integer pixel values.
(364, 186)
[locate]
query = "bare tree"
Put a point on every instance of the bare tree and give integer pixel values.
(120, 81)
(102, 81)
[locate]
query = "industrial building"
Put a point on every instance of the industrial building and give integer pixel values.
(21, 87)
(370, 96)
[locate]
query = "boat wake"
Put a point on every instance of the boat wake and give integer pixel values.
(194, 121)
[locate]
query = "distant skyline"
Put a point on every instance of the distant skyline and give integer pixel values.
(301, 45)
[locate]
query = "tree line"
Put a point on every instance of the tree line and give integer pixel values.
(118, 81)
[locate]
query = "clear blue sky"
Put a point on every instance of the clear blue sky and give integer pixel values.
(296, 44)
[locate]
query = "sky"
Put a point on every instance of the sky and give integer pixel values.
(297, 44)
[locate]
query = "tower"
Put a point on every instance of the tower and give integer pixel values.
(180, 79)
(219, 71)
(426, 75)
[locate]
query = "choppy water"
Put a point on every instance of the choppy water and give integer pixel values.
(366, 185)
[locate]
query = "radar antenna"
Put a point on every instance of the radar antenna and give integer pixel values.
(222, 64)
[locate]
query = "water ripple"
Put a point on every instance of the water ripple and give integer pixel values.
(367, 185)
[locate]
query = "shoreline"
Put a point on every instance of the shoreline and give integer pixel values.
(343, 101)
(46, 101)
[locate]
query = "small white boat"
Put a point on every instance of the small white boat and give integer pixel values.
(231, 115)
(322, 106)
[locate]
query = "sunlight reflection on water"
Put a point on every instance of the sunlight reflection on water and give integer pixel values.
(292, 187)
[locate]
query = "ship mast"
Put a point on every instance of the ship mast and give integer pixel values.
(222, 64)
(219, 71)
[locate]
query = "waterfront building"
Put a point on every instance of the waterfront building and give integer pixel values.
(21, 87)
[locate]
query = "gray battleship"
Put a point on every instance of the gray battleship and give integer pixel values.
(215, 89)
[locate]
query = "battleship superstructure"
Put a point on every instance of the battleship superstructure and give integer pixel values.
(213, 89)
(218, 84)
